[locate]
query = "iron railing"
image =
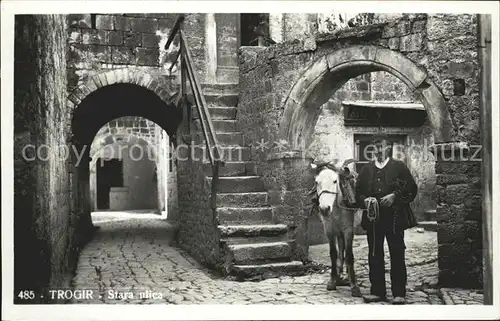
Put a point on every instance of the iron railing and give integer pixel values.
(188, 73)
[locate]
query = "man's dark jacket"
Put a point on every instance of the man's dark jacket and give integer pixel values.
(400, 182)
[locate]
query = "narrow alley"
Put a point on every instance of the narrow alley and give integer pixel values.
(133, 253)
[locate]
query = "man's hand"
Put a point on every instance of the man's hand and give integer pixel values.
(388, 200)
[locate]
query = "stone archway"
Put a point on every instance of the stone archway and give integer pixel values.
(140, 175)
(102, 98)
(328, 73)
(119, 76)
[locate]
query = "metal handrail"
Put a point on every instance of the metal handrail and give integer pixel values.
(188, 73)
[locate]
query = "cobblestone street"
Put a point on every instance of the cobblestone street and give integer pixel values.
(133, 253)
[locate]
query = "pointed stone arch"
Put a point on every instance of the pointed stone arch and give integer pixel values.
(325, 75)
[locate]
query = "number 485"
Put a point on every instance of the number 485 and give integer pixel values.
(26, 295)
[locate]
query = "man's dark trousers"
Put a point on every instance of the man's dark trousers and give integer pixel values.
(376, 262)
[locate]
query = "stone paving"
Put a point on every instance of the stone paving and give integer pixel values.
(133, 255)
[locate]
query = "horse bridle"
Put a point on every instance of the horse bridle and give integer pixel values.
(327, 192)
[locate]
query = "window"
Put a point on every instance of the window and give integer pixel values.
(363, 154)
(253, 26)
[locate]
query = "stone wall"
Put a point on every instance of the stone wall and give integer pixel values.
(386, 87)
(228, 41)
(139, 190)
(453, 64)
(441, 45)
(121, 40)
(198, 233)
(44, 222)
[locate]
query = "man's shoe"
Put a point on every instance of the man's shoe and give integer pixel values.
(370, 298)
(399, 300)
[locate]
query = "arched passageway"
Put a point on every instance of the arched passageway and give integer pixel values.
(123, 173)
(327, 74)
(102, 99)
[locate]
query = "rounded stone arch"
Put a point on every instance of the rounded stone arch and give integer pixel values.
(151, 82)
(130, 139)
(328, 73)
(128, 82)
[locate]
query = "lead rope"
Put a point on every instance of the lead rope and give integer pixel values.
(372, 214)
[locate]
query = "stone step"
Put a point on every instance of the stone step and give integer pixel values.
(218, 112)
(245, 215)
(239, 184)
(252, 230)
(229, 153)
(428, 225)
(224, 139)
(224, 100)
(220, 125)
(221, 88)
(253, 199)
(259, 253)
(430, 215)
(254, 239)
(269, 270)
(232, 169)
(218, 99)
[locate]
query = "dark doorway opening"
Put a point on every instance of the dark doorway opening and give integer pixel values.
(254, 26)
(109, 174)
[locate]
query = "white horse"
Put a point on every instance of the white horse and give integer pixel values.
(334, 190)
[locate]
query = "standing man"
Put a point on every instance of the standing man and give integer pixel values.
(385, 187)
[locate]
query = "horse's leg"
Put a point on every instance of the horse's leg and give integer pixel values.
(341, 258)
(332, 284)
(349, 236)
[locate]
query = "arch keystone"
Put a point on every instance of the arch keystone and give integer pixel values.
(118, 76)
(126, 77)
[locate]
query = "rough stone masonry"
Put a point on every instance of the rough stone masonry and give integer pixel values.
(50, 206)
(444, 48)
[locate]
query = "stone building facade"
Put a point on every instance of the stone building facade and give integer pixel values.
(116, 66)
(434, 55)
(338, 136)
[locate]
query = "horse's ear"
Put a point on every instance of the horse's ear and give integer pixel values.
(347, 162)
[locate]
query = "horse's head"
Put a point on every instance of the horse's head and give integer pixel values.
(331, 182)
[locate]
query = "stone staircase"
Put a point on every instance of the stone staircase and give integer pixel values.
(254, 247)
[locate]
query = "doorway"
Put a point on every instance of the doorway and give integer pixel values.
(253, 26)
(109, 174)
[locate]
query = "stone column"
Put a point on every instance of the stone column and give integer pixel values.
(276, 26)
(228, 38)
(458, 187)
(288, 179)
(211, 48)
